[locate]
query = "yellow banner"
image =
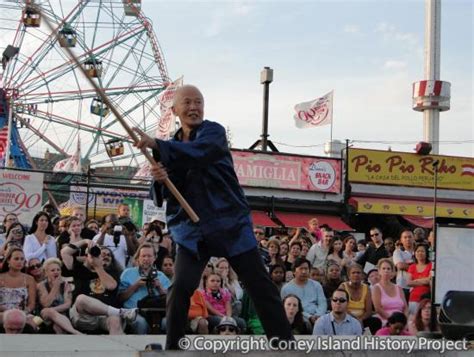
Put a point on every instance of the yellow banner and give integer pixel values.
(413, 208)
(405, 169)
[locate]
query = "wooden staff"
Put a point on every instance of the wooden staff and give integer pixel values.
(169, 185)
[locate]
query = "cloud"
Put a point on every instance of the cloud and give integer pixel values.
(351, 29)
(394, 64)
(392, 33)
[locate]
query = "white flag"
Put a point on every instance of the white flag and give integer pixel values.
(314, 113)
(70, 164)
(167, 116)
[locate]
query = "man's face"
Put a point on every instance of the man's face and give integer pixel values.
(327, 237)
(376, 236)
(259, 234)
(407, 239)
(79, 214)
(189, 106)
(146, 258)
(302, 272)
(124, 211)
(339, 302)
(419, 235)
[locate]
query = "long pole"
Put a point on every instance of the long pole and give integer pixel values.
(266, 90)
(169, 185)
(433, 280)
(9, 132)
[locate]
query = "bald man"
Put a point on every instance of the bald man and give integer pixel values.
(14, 321)
(198, 161)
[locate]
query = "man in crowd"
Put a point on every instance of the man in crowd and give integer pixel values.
(338, 321)
(80, 213)
(373, 253)
(140, 282)
(260, 236)
(310, 292)
(318, 252)
(14, 321)
(95, 292)
(199, 163)
(419, 235)
(402, 258)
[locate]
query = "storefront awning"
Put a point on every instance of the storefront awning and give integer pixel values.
(301, 220)
(419, 221)
(260, 218)
(411, 207)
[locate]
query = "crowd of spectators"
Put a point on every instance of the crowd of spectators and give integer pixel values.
(69, 275)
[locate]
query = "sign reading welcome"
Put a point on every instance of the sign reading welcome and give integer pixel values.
(289, 172)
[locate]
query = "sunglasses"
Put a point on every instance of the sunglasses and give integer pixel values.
(17, 231)
(374, 235)
(341, 300)
(34, 266)
(227, 329)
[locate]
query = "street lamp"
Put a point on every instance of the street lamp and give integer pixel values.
(266, 77)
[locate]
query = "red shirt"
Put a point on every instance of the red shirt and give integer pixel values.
(418, 291)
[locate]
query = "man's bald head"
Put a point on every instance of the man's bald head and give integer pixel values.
(188, 105)
(14, 321)
(183, 90)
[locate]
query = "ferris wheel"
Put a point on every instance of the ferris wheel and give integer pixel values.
(53, 107)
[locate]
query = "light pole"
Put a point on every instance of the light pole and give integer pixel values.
(266, 77)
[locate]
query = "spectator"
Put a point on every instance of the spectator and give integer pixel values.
(304, 248)
(14, 321)
(309, 291)
(335, 252)
(388, 297)
(140, 282)
(154, 235)
(35, 269)
(419, 235)
(198, 314)
(373, 253)
(403, 258)
(360, 302)
(314, 230)
(15, 236)
(80, 213)
(418, 277)
(229, 278)
(396, 326)
(249, 314)
(333, 279)
(295, 252)
(218, 301)
(55, 298)
(373, 278)
(167, 267)
(273, 248)
(227, 326)
(361, 248)
(349, 252)
(95, 290)
(61, 225)
(284, 249)
(389, 246)
(123, 211)
(318, 253)
(8, 220)
(294, 314)
(93, 225)
(17, 289)
(70, 234)
(259, 233)
(422, 320)
(277, 274)
(338, 321)
(111, 235)
(39, 243)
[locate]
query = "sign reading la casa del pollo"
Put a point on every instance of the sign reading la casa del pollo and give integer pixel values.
(406, 169)
(289, 172)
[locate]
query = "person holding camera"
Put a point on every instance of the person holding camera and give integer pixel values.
(95, 293)
(112, 236)
(15, 236)
(8, 220)
(143, 286)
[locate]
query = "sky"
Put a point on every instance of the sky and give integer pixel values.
(368, 52)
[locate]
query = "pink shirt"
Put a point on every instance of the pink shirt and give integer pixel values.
(391, 304)
(216, 303)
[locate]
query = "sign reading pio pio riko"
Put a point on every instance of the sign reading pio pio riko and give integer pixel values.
(20, 193)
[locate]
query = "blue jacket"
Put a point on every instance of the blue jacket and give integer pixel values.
(203, 171)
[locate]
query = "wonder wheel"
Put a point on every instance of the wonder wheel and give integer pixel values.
(51, 104)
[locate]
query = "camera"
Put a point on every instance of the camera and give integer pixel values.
(117, 233)
(94, 251)
(152, 274)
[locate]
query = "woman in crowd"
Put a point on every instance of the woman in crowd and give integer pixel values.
(304, 248)
(360, 302)
(388, 297)
(15, 236)
(335, 252)
(40, 242)
(284, 249)
(295, 251)
(93, 225)
(396, 326)
(422, 320)
(350, 251)
(231, 283)
(70, 234)
(294, 313)
(273, 247)
(418, 277)
(35, 269)
(17, 289)
(373, 278)
(317, 274)
(277, 274)
(333, 279)
(167, 267)
(55, 298)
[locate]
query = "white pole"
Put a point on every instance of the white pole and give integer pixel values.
(432, 68)
(9, 133)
